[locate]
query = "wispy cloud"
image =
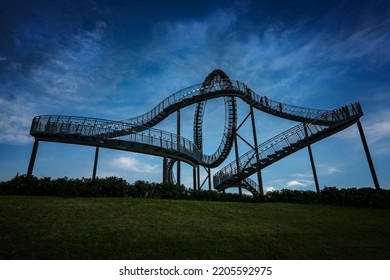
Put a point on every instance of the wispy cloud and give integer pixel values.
(302, 175)
(15, 123)
(74, 70)
(299, 183)
(326, 170)
(376, 128)
(278, 59)
(133, 164)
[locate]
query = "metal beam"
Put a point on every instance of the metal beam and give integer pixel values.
(165, 170)
(259, 177)
(368, 155)
(198, 176)
(237, 160)
(178, 169)
(194, 177)
(209, 175)
(313, 167)
(32, 158)
(95, 163)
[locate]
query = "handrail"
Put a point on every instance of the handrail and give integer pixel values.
(98, 128)
(236, 88)
(285, 139)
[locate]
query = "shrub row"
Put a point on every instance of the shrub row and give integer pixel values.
(85, 187)
(356, 197)
(118, 187)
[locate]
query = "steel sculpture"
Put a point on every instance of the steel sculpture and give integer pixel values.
(138, 135)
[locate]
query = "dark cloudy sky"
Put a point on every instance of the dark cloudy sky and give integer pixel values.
(118, 59)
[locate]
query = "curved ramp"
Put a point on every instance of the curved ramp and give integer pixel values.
(93, 132)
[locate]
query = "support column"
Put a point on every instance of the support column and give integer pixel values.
(95, 163)
(32, 158)
(209, 174)
(165, 170)
(259, 177)
(368, 155)
(178, 143)
(198, 174)
(194, 178)
(313, 167)
(237, 161)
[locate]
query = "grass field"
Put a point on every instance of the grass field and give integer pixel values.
(123, 228)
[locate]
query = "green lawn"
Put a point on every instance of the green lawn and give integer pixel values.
(124, 228)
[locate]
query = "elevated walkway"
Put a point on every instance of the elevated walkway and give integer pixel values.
(138, 135)
(286, 143)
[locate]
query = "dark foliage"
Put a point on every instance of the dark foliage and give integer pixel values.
(292, 196)
(358, 197)
(118, 187)
(215, 196)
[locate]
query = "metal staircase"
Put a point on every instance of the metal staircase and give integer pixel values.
(285, 144)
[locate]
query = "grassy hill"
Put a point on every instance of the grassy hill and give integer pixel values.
(125, 228)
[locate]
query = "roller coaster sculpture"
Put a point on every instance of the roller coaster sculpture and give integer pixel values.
(139, 135)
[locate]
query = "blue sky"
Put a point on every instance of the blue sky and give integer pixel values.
(118, 59)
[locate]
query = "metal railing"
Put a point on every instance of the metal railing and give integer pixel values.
(240, 89)
(284, 140)
(100, 129)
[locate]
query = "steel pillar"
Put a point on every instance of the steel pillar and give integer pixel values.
(313, 167)
(368, 155)
(194, 178)
(209, 175)
(95, 163)
(237, 160)
(165, 170)
(32, 158)
(178, 143)
(198, 176)
(259, 177)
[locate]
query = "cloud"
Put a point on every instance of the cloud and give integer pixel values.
(302, 175)
(74, 70)
(299, 183)
(370, 39)
(376, 129)
(328, 170)
(133, 164)
(15, 116)
(277, 58)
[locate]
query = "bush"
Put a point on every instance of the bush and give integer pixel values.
(292, 196)
(118, 187)
(357, 197)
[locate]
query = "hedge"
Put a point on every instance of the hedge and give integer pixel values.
(118, 187)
